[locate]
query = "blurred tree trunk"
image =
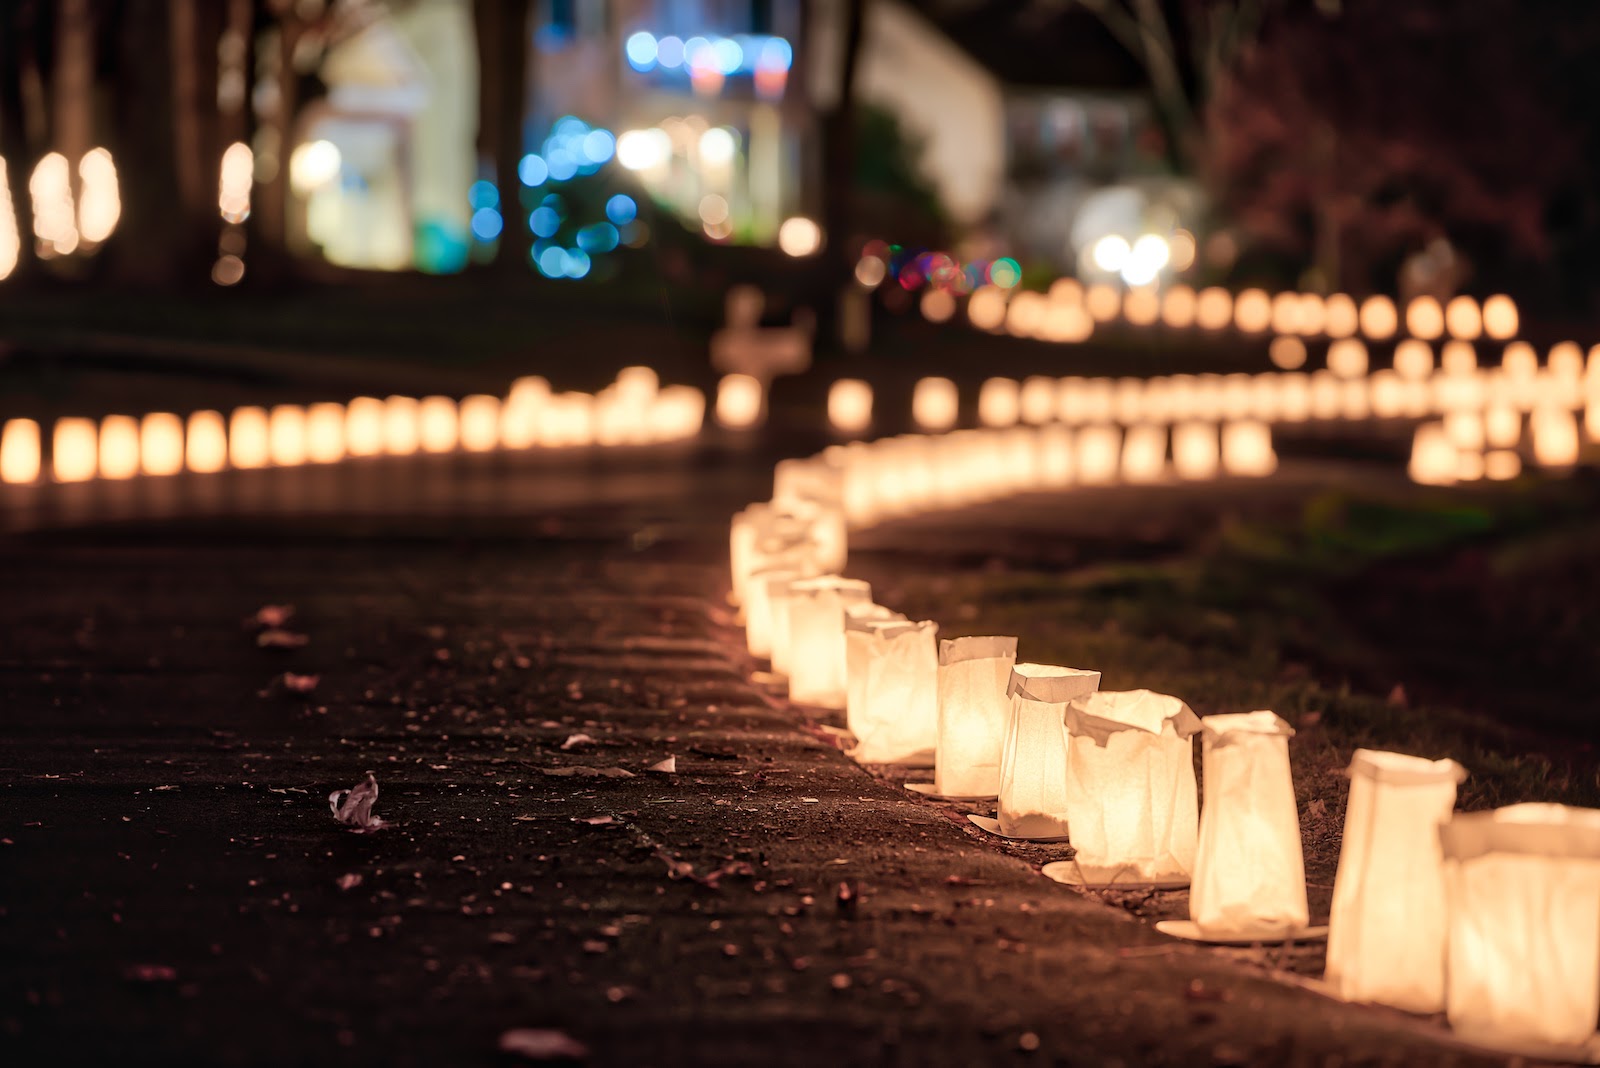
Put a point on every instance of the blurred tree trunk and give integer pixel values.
(73, 86)
(273, 57)
(196, 32)
(839, 125)
(14, 148)
(149, 247)
(504, 41)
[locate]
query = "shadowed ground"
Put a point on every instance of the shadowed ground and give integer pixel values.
(173, 888)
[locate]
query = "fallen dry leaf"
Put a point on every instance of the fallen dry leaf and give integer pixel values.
(276, 638)
(350, 881)
(594, 821)
(299, 683)
(273, 615)
(588, 772)
(575, 740)
(668, 766)
(354, 806)
(542, 1044)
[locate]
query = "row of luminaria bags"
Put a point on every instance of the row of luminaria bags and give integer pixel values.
(1492, 917)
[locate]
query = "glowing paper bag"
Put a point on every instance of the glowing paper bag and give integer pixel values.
(858, 625)
(973, 712)
(816, 637)
(1131, 794)
(1387, 931)
(761, 536)
(1249, 871)
(1523, 962)
(898, 719)
(780, 592)
(758, 614)
(1033, 765)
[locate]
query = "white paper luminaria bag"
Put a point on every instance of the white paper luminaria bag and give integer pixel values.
(762, 536)
(898, 719)
(1386, 933)
(858, 620)
(1131, 794)
(1033, 766)
(816, 637)
(759, 617)
(1523, 962)
(973, 710)
(1249, 870)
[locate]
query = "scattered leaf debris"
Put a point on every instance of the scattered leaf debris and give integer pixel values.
(354, 806)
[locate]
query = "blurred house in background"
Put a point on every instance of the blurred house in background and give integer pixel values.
(1038, 129)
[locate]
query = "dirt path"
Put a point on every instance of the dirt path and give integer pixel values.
(174, 890)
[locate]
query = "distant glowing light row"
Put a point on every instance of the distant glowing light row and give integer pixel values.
(725, 55)
(634, 410)
(1349, 392)
(1070, 310)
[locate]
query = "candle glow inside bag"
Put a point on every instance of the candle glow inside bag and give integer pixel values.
(1387, 930)
(858, 624)
(758, 536)
(816, 637)
(1523, 963)
(758, 615)
(1249, 873)
(973, 714)
(780, 592)
(1131, 794)
(898, 721)
(1033, 764)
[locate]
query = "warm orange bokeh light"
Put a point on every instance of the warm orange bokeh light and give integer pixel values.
(119, 446)
(1378, 318)
(205, 447)
(75, 450)
(1252, 311)
(161, 444)
(325, 423)
(1500, 318)
(935, 404)
(437, 424)
(19, 451)
(1286, 352)
(740, 400)
(850, 406)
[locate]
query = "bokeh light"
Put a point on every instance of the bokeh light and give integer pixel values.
(740, 401)
(1252, 311)
(935, 404)
(1378, 318)
(1339, 314)
(1287, 352)
(1463, 319)
(20, 451)
(1413, 359)
(850, 405)
(1213, 308)
(161, 444)
(1347, 357)
(800, 236)
(119, 447)
(1500, 318)
(248, 438)
(74, 450)
(999, 402)
(1424, 318)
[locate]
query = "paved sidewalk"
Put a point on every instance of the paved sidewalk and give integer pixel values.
(174, 890)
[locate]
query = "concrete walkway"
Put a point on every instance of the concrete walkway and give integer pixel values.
(174, 889)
